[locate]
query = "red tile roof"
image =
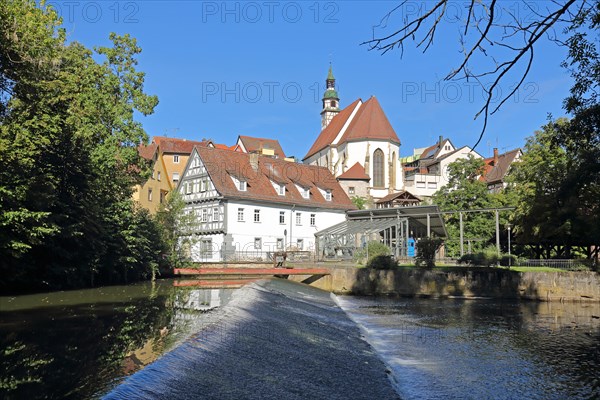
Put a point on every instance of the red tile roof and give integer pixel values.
(355, 173)
(254, 144)
(147, 151)
(224, 146)
(496, 173)
(222, 164)
(328, 135)
(370, 122)
(175, 145)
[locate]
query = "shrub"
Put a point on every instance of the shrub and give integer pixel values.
(509, 260)
(376, 251)
(426, 249)
(382, 262)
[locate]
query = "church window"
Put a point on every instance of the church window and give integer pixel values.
(378, 169)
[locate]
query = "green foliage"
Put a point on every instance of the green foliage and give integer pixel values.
(359, 202)
(176, 225)
(558, 189)
(425, 251)
(465, 191)
(486, 257)
(68, 142)
(375, 255)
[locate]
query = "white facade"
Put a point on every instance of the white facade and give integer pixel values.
(341, 158)
(425, 182)
(230, 228)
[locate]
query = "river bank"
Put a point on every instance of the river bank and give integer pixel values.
(275, 339)
(461, 282)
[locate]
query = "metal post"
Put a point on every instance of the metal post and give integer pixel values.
(462, 244)
(509, 257)
(428, 225)
(498, 235)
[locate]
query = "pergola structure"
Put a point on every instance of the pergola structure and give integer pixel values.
(391, 226)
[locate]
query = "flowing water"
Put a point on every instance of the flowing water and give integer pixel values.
(79, 344)
(475, 349)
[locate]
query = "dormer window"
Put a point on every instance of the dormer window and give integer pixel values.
(279, 188)
(326, 193)
(240, 184)
(304, 191)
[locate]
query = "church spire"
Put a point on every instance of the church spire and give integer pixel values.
(331, 101)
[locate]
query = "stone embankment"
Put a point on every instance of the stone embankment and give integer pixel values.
(275, 339)
(463, 282)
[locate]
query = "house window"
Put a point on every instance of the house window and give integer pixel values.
(158, 175)
(203, 185)
(240, 215)
(149, 194)
(282, 217)
(298, 218)
(328, 195)
(257, 243)
(206, 247)
(281, 190)
(256, 215)
(313, 218)
(215, 214)
(175, 176)
(378, 169)
(204, 215)
(188, 188)
(300, 244)
(431, 185)
(163, 194)
(351, 190)
(242, 186)
(279, 243)
(175, 159)
(421, 185)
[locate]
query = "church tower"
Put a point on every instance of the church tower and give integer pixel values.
(331, 101)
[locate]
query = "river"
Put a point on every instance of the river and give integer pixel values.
(81, 344)
(484, 349)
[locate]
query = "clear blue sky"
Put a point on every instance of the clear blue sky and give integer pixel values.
(221, 69)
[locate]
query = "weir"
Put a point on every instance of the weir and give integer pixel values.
(275, 339)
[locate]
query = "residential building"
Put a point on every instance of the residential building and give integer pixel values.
(267, 147)
(429, 172)
(154, 191)
(358, 134)
(175, 154)
(248, 205)
(497, 167)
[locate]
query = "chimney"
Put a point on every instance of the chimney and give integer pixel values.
(495, 156)
(254, 161)
(440, 141)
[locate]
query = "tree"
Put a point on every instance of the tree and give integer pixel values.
(465, 191)
(497, 40)
(68, 143)
(558, 205)
(359, 202)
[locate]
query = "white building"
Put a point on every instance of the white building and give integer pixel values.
(248, 205)
(361, 139)
(429, 171)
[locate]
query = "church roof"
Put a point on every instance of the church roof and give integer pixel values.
(355, 173)
(327, 135)
(330, 74)
(368, 123)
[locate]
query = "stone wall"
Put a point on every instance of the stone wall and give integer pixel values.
(462, 282)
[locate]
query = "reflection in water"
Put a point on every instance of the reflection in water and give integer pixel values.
(484, 349)
(78, 344)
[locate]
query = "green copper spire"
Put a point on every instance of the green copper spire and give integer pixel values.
(330, 74)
